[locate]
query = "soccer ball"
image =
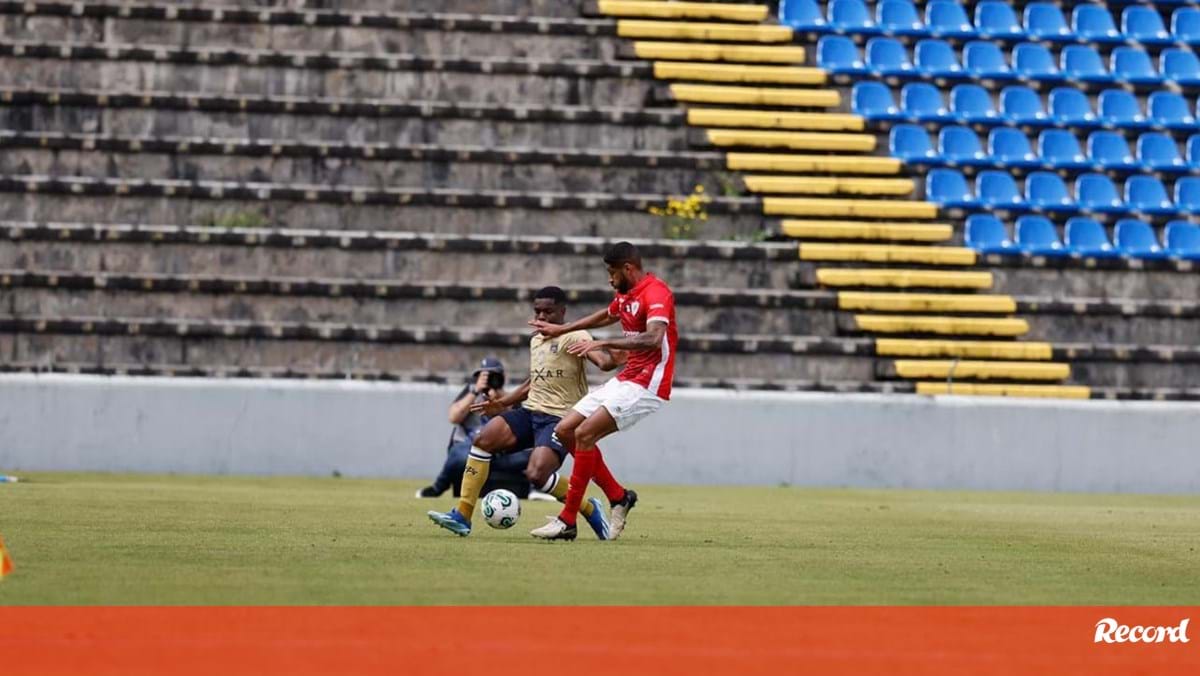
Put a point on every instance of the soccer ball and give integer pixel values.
(501, 509)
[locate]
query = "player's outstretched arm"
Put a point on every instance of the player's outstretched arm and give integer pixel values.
(607, 360)
(501, 404)
(595, 320)
(650, 339)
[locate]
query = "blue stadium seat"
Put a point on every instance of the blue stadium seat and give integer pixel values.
(1148, 195)
(1187, 194)
(1180, 66)
(886, 56)
(838, 54)
(1192, 151)
(984, 60)
(1157, 151)
(997, 190)
(948, 188)
(971, 104)
(1170, 110)
(1045, 21)
(1022, 105)
(1133, 65)
(936, 58)
(1144, 25)
(1136, 239)
(1096, 192)
(1119, 108)
(1093, 23)
(1036, 235)
(959, 146)
(986, 233)
(1083, 63)
(899, 17)
(1185, 25)
(910, 143)
(948, 19)
(995, 20)
(1058, 148)
(1109, 151)
(1010, 147)
(873, 101)
(1182, 240)
(1034, 62)
(851, 16)
(803, 15)
(923, 102)
(1045, 191)
(1071, 107)
(1086, 237)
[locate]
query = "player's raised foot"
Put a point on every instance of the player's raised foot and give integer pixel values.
(555, 529)
(451, 521)
(620, 514)
(430, 491)
(597, 520)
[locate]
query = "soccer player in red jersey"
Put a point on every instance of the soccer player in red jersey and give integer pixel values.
(645, 307)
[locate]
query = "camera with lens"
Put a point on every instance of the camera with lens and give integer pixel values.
(495, 380)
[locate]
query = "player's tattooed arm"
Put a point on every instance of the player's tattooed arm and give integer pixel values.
(501, 404)
(650, 339)
(592, 321)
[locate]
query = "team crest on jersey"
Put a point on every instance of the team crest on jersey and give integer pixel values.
(553, 348)
(633, 307)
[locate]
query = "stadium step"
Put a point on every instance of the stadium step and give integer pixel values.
(738, 73)
(880, 253)
(792, 140)
(933, 325)
(1006, 390)
(897, 278)
(964, 349)
(751, 96)
(727, 52)
(652, 9)
(848, 208)
(828, 185)
(831, 164)
(776, 119)
(866, 230)
(917, 369)
(926, 302)
(718, 32)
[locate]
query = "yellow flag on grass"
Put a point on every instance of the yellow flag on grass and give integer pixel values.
(6, 565)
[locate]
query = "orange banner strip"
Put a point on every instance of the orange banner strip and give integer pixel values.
(299, 641)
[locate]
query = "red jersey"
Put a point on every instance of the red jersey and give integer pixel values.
(650, 301)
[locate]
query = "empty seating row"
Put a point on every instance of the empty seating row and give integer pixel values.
(995, 20)
(1047, 192)
(980, 59)
(1037, 235)
(1054, 149)
(1065, 106)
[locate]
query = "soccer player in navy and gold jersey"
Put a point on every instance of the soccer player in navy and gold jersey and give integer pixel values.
(557, 380)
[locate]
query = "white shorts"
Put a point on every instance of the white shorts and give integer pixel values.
(626, 402)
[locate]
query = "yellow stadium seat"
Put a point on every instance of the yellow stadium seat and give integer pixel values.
(775, 119)
(709, 51)
(684, 10)
(684, 30)
(756, 96)
(902, 279)
(828, 185)
(845, 208)
(738, 73)
(915, 369)
(886, 253)
(964, 349)
(867, 230)
(925, 302)
(1005, 390)
(794, 140)
(945, 326)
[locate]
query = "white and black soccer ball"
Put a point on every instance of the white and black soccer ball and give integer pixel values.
(501, 509)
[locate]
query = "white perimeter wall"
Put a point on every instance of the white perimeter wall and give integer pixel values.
(54, 422)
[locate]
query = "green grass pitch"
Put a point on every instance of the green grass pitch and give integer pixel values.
(123, 539)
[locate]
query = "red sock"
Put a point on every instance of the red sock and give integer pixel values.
(604, 478)
(581, 475)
